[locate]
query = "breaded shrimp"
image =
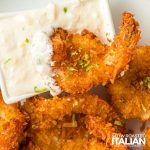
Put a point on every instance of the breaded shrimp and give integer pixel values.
(44, 112)
(131, 93)
(61, 123)
(12, 123)
(81, 61)
(62, 136)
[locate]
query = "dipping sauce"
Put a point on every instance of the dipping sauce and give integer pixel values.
(25, 47)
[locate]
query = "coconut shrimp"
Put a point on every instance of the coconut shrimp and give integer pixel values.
(43, 112)
(81, 61)
(62, 123)
(12, 123)
(131, 93)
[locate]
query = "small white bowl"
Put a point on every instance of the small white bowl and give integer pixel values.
(109, 28)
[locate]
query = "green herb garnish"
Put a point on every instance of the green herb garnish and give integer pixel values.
(92, 66)
(34, 126)
(74, 122)
(37, 90)
(65, 9)
(86, 64)
(72, 69)
(7, 61)
(27, 40)
(146, 82)
(118, 123)
(39, 61)
(85, 61)
(86, 57)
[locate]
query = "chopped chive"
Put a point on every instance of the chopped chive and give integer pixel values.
(92, 66)
(27, 40)
(37, 90)
(34, 126)
(118, 123)
(97, 65)
(39, 61)
(81, 63)
(69, 74)
(74, 122)
(84, 62)
(146, 82)
(72, 69)
(86, 57)
(7, 61)
(88, 68)
(65, 9)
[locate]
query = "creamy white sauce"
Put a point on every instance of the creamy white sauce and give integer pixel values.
(25, 52)
(42, 51)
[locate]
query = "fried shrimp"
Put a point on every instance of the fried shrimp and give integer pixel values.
(147, 146)
(12, 123)
(65, 123)
(81, 61)
(131, 93)
(44, 112)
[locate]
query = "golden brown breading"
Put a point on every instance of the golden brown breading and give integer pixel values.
(103, 129)
(60, 123)
(147, 146)
(44, 112)
(82, 61)
(100, 128)
(61, 136)
(12, 123)
(131, 93)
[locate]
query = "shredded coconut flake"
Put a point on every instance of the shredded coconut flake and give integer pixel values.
(42, 51)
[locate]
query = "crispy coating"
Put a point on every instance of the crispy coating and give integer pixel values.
(131, 93)
(100, 128)
(12, 123)
(62, 123)
(103, 129)
(82, 61)
(44, 112)
(147, 146)
(60, 137)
